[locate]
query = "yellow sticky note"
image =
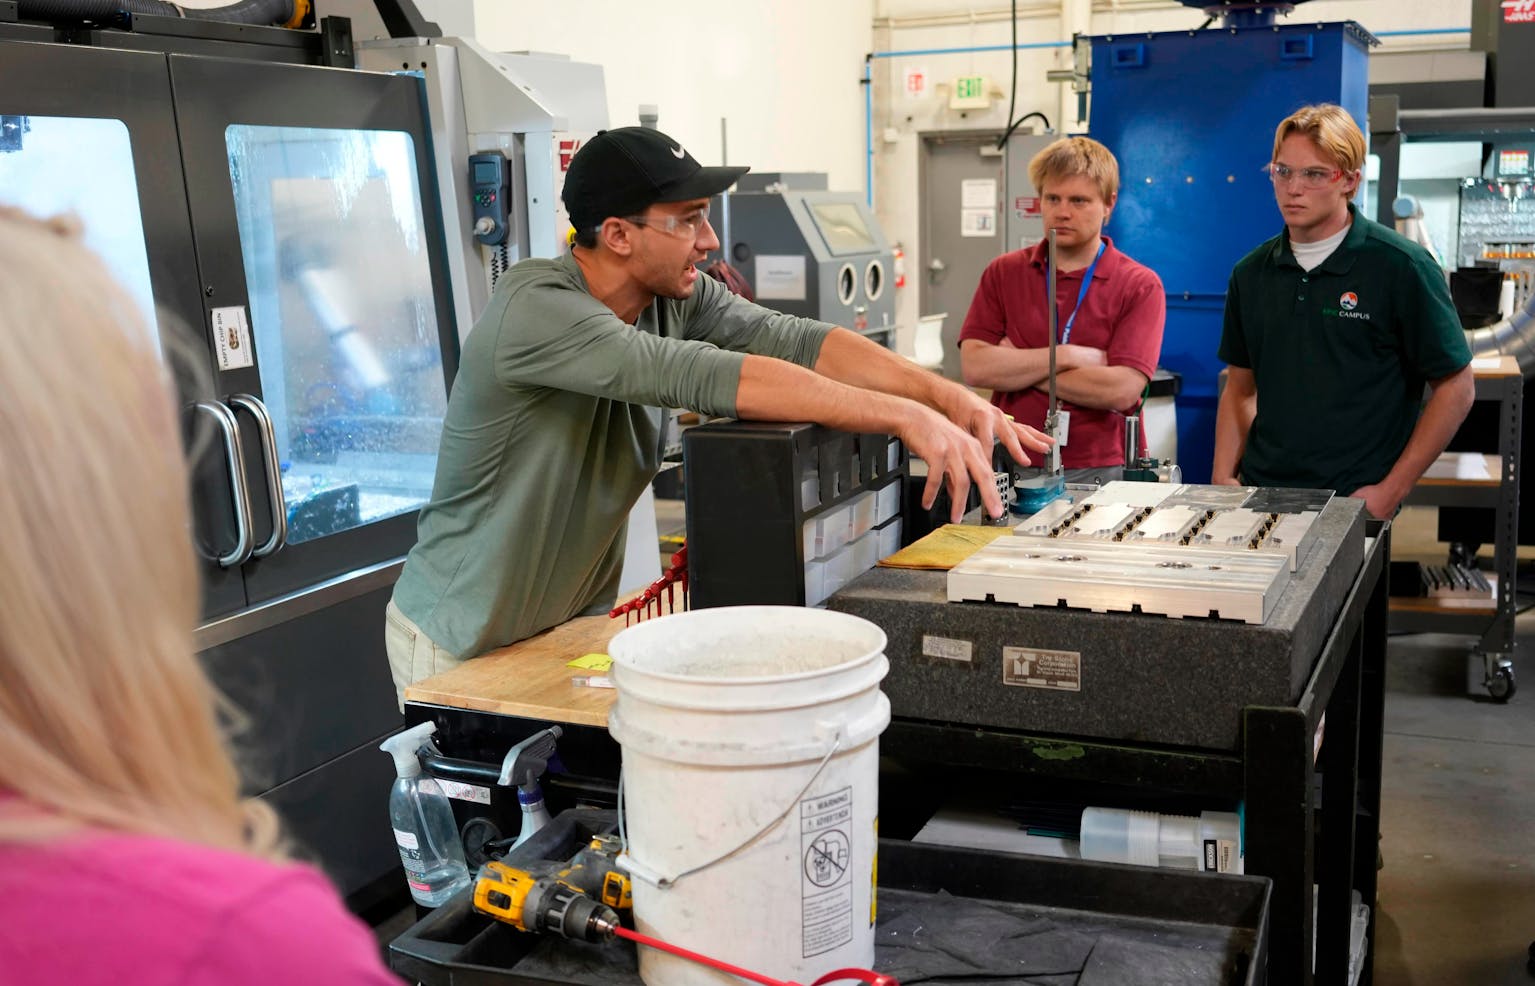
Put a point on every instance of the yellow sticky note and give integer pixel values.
(592, 662)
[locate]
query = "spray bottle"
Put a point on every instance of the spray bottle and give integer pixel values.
(523, 766)
(423, 823)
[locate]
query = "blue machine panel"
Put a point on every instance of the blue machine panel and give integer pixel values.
(1191, 117)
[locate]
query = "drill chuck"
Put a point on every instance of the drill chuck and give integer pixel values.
(574, 916)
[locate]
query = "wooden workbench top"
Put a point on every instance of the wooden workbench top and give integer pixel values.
(530, 678)
(1506, 366)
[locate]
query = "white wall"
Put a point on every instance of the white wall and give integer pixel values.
(784, 75)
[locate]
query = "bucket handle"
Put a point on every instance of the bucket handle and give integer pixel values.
(661, 881)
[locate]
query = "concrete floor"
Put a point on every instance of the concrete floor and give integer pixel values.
(1457, 894)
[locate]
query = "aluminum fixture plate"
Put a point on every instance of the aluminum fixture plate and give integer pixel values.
(1237, 518)
(1176, 581)
(1182, 551)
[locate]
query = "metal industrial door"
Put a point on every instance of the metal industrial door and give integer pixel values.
(961, 181)
(316, 223)
(315, 219)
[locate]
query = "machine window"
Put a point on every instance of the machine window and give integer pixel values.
(341, 303)
(56, 164)
(842, 226)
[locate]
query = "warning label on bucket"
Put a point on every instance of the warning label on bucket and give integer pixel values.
(826, 889)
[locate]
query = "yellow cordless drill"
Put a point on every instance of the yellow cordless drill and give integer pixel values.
(579, 900)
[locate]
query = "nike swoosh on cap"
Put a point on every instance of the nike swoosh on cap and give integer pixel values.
(678, 153)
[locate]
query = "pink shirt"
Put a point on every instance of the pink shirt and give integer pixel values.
(111, 909)
(1122, 315)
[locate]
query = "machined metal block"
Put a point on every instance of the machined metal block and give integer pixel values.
(1105, 522)
(1277, 500)
(1168, 525)
(1234, 529)
(1210, 497)
(1048, 519)
(1135, 577)
(1291, 536)
(1135, 494)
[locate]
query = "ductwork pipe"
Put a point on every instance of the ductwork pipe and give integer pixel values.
(281, 12)
(1514, 336)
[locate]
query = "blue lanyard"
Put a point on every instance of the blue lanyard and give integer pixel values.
(1087, 282)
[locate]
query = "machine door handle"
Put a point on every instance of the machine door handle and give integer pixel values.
(252, 404)
(234, 457)
(937, 266)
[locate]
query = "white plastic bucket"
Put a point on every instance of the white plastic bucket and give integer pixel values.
(750, 743)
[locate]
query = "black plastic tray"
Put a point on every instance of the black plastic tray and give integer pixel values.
(1152, 915)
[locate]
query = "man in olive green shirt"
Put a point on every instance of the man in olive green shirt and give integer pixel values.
(553, 428)
(1332, 330)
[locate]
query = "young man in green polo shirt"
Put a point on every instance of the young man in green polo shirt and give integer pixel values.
(1332, 330)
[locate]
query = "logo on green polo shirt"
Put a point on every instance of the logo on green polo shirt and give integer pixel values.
(1347, 303)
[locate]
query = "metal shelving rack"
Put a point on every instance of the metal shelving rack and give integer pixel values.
(1493, 624)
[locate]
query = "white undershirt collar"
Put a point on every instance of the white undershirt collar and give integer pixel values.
(1310, 255)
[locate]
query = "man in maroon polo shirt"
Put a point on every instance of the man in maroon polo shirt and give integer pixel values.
(1111, 311)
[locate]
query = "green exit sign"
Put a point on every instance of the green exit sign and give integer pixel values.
(969, 93)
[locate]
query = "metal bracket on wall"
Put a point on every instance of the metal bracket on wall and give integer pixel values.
(336, 43)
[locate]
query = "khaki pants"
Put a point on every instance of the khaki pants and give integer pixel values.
(412, 655)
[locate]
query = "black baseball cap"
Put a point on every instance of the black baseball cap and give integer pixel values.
(623, 172)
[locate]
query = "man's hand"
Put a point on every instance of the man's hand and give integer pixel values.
(1378, 500)
(953, 458)
(985, 421)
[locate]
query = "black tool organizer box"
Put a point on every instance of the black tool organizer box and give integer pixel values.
(745, 512)
(454, 946)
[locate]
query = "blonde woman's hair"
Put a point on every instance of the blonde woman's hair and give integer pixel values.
(1073, 156)
(106, 719)
(1336, 136)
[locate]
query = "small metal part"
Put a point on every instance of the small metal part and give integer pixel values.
(1289, 535)
(1105, 523)
(1170, 525)
(1232, 529)
(1050, 519)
